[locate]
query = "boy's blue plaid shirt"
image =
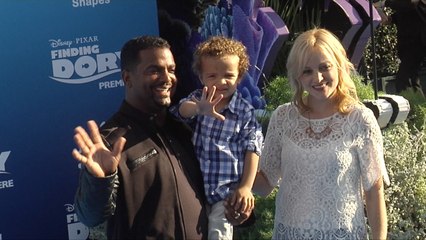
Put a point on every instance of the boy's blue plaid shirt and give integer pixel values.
(221, 145)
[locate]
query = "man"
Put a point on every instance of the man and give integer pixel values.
(140, 172)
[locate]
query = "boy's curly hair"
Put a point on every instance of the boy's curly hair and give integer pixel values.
(219, 46)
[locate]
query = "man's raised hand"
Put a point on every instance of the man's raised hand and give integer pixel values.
(96, 157)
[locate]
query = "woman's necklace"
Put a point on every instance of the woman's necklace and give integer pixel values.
(318, 135)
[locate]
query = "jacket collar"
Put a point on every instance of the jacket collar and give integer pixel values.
(137, 115)
(149, 119)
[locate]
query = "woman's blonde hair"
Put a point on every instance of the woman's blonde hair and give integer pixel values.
(323, 40)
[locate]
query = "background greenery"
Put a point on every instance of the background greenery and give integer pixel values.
(386, 55)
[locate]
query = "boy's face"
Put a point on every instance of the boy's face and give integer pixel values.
(221, 72)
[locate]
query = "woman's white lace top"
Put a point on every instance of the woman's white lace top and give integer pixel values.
(321, 180)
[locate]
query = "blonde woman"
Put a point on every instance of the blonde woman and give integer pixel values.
(324, 150)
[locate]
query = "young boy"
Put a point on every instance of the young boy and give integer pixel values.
(227, 136)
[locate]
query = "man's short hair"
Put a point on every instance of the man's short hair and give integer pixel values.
(130, 50)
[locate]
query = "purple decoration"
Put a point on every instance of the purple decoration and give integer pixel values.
(246, 7)
(364, 11)
(257, 4)
(263, 32)
(354, 19)
(275, 34)
(250, 34)
(352, 25)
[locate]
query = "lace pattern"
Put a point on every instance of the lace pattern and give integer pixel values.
(337, 234)
(321, 179)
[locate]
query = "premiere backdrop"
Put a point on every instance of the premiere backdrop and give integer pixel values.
(59, 67)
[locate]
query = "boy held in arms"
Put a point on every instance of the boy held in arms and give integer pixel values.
(227, 136)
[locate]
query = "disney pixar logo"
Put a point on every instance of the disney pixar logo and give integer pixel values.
(82, 62)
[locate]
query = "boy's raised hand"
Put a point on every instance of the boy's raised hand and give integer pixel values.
(208, 102)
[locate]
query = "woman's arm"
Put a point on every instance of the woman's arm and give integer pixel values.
(376, 210)
(261, 185)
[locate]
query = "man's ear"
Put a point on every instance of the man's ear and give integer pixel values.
(125, 75)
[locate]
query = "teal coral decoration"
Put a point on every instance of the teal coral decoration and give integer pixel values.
(217, 22)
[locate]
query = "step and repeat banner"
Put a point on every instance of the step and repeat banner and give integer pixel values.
(59, 67)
